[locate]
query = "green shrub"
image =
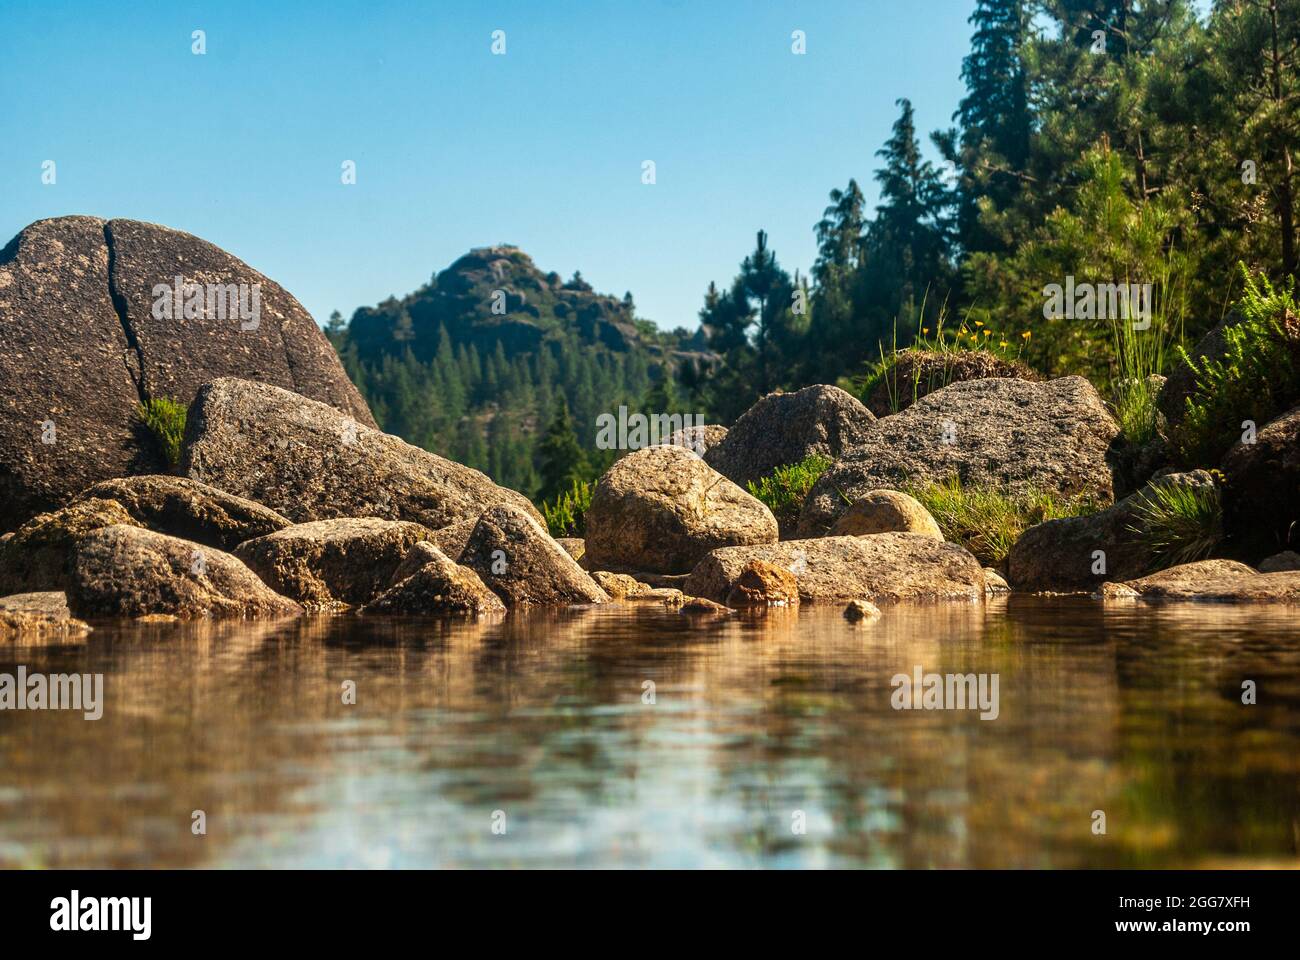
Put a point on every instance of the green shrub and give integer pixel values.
(1178, 524)
(988, 521)
(786, 489)
(165, 419)
(1256, 378)
(567, 516)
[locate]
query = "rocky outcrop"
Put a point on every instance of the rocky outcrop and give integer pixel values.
(41, 554)
(1055, 436)
(885, 511)
(764, 584)
(913, 374)
(1062, 555)
(661, 509)
(519, 561)
(886, 567)
(784, 428)
(81, 345)
(328, 564)
(126, 571)
(190, 510)
(1224, 581)
(1261, 503)
(308, 461)
(39, 616)
(430, 583)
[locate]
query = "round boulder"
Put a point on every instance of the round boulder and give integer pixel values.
(885, 511)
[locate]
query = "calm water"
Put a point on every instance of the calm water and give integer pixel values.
(1132, 710)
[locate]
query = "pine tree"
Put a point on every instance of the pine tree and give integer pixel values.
(560, 460)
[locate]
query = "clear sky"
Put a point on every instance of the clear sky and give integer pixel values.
(456, 147)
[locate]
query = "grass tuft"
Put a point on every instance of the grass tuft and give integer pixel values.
(1178, 523)
(787, 488)
(165, 419)
(567, 516)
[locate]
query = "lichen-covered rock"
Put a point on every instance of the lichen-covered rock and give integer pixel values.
(763, 584)
(913, 374)
(81, 347)
(308, 461)
(1015, 435)
(885, 511)
(661, 509)
(451, 538)
(1062, 555)
(39, 616)
(327, 564)
(1261, 506)
(575, 547)
(1225, 581)
(40, 555)
(784, 428)
(620, 586)
(518, 560)
(124, 571)
(185, 508)
(886, 567)
(428, 582)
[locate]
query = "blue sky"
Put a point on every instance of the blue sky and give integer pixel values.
(456, 147)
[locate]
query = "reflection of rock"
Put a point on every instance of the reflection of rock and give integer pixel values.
(882, 567)
(310, 462)
(661, 509)
(40, 554)
(520, 562)
(130, 572)
(328, 563)
(190, 510)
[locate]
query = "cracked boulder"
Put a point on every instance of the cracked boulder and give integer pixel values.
(93, 320)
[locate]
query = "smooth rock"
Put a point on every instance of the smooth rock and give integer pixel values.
(1224, 581)
(1280, 562)
(124, 571)
(520, 562)
(308, 461)
(180, 507)
(331, 563)
(858, 610)
(429, 582)
(661, 509)
(885, 511)
(784, 428)
(1055, 436)
(886, 567)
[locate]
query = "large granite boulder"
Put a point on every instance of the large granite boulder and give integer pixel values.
(882, 567)
(1223, 581)
(185, 508)
(1055, 436)
(1061, 555)
(913, 374)
(885, 511)
(41, 554)
(88, 331)
(1262, 489)
(430, 583)
(518, 560)
(329, 564)
(308, 461)
(126, 571)
(661, 509)
(784, 428)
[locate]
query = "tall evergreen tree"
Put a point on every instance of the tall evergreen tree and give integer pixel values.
(561, 461)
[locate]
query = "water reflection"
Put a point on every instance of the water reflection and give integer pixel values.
(759, 723)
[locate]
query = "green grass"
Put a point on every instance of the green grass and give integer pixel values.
(1139, 356)
(1178, 524)
(786, 489)
(165, 419)
(567, 516)
(1255, 378)
(988, 521)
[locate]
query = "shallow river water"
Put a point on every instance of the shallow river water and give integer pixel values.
(765, 741)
